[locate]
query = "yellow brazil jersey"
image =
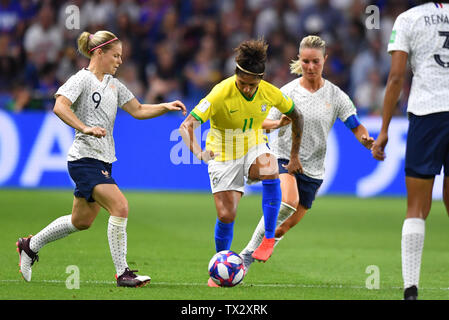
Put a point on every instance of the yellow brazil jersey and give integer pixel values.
(235, 120)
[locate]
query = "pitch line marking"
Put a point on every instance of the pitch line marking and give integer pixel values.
(272, 285)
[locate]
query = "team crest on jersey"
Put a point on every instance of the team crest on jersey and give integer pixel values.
(263, 108)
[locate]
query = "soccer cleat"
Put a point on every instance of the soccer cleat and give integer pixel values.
(212, 284)
(26, 257)
(411, 293)
(247, 259)
(265, 249)
(132, 280)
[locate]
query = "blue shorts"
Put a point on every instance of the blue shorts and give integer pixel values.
(307, 187)
(87, 173)
(427, 145)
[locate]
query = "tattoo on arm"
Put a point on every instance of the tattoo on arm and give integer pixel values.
(297, 129)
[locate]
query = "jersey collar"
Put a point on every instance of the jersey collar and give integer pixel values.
(245, 97)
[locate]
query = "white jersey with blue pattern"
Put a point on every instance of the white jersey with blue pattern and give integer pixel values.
(95, 103)
(423, 32)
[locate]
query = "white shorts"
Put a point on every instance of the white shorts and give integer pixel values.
(231, 174)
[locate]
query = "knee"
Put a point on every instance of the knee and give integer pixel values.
(226, 216)
(121, 209)
(82, 224)
(269, 172)
(419, 210)
(267, 167)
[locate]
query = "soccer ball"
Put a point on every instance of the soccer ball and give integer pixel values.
(226, 268)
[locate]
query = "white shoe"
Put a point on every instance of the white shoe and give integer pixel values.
(26, 257)
(130, 279)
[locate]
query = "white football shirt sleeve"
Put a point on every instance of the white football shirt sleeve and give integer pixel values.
(124, 95)
(399, 40)
(345, 106)
(72, 88)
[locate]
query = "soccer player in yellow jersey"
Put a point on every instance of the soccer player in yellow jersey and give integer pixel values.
(236, 147)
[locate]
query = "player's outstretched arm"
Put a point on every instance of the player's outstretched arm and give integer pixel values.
(269, 124)
(187, 131)
(148, 111)
(394, 86)
(362, 134)
(63, 111)
(294, 165)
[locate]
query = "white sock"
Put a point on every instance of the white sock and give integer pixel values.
(284, 212)
(118, 242)
(411, 249)
(58, 229)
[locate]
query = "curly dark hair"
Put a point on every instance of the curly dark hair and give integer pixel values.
(251, 56)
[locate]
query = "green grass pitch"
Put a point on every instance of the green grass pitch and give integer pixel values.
(170, 237)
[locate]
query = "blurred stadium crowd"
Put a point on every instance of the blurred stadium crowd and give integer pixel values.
(178, 49)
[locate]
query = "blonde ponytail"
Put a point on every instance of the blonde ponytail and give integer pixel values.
(88, 41)
(295, 67)
(83, 42)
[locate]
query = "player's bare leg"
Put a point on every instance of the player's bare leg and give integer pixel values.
(419, 201)
(226, 203)
(112, 199)
(290, 196)
(446, 193)
(292, 221)
(84, 213)
(289, 189)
